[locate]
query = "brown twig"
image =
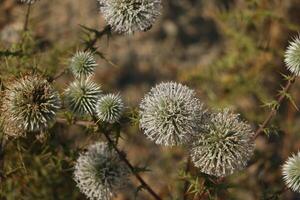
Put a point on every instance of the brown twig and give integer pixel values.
(273, 111)
(25, 28)
(89, 45)
(77, 122)
(125, 160)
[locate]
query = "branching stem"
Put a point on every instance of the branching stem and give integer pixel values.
(274, 109)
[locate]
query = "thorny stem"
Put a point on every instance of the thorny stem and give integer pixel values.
(273, 111)
(89, 45)
(125, 160)
(77, 122)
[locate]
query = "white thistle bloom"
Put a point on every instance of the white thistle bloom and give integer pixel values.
(83, 64)
(292, 56)
(223, 146)
(109, 108)
(291, 172)
(30, 104)
(170, 114)
(82, 96)
(129, 16)
(28, 1)
(99, 172)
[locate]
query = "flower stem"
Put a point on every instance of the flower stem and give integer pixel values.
(125, 160)
(25, 28)
(273, 111)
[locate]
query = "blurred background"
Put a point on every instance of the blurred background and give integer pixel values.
(229, 51)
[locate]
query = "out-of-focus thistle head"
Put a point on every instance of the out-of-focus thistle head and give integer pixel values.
(82, 96)
(99, 172)
(170, 114)
(30, 104)
(109, 108)
(129, 16)
(291, 172)
(28, 1)
(223, 146)
(83, 64)
(292, 56)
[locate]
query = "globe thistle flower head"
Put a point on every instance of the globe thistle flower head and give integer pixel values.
(129, 16)
(292, 56)
(109, 108)
(223, 146)
(99, 172)
(83, 64)
(291, 172)
(28, 1)
(170, 114)
(31, 103)
(82, 96)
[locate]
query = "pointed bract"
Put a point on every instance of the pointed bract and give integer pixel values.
(99, 172)
(83, 64)
(223, 146)
(129, 16)
(31, 103)
(82, 96)
(292, 56)
(170, 114)
(109, 108)
(291, 172)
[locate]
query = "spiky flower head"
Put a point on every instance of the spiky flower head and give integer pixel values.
(170, 114)
(99, 172)
(129, 16)
(109, 108)
(224, 145)
(30, 103)
(82, 96)
(83, 64)
(291, 172)
(28, 1)
(292, 56)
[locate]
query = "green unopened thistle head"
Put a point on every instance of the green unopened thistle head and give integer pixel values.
(291, 172)
(170, 114)
(82, 96)
(31, 103)
(223, 146)
(109, 108)
(99, 172)
(292, 56)
(129, 16)
(83, 64)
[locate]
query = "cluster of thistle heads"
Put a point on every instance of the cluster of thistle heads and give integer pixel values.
(220, 142)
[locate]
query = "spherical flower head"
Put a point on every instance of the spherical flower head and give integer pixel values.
(291, 172)
(28, 1)
(129, 16)
(223, 146)
(83, 64)
(82, 96)
(292, 56)
(170, 114)
(99, 172)
(110, 108)
(31, 103)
